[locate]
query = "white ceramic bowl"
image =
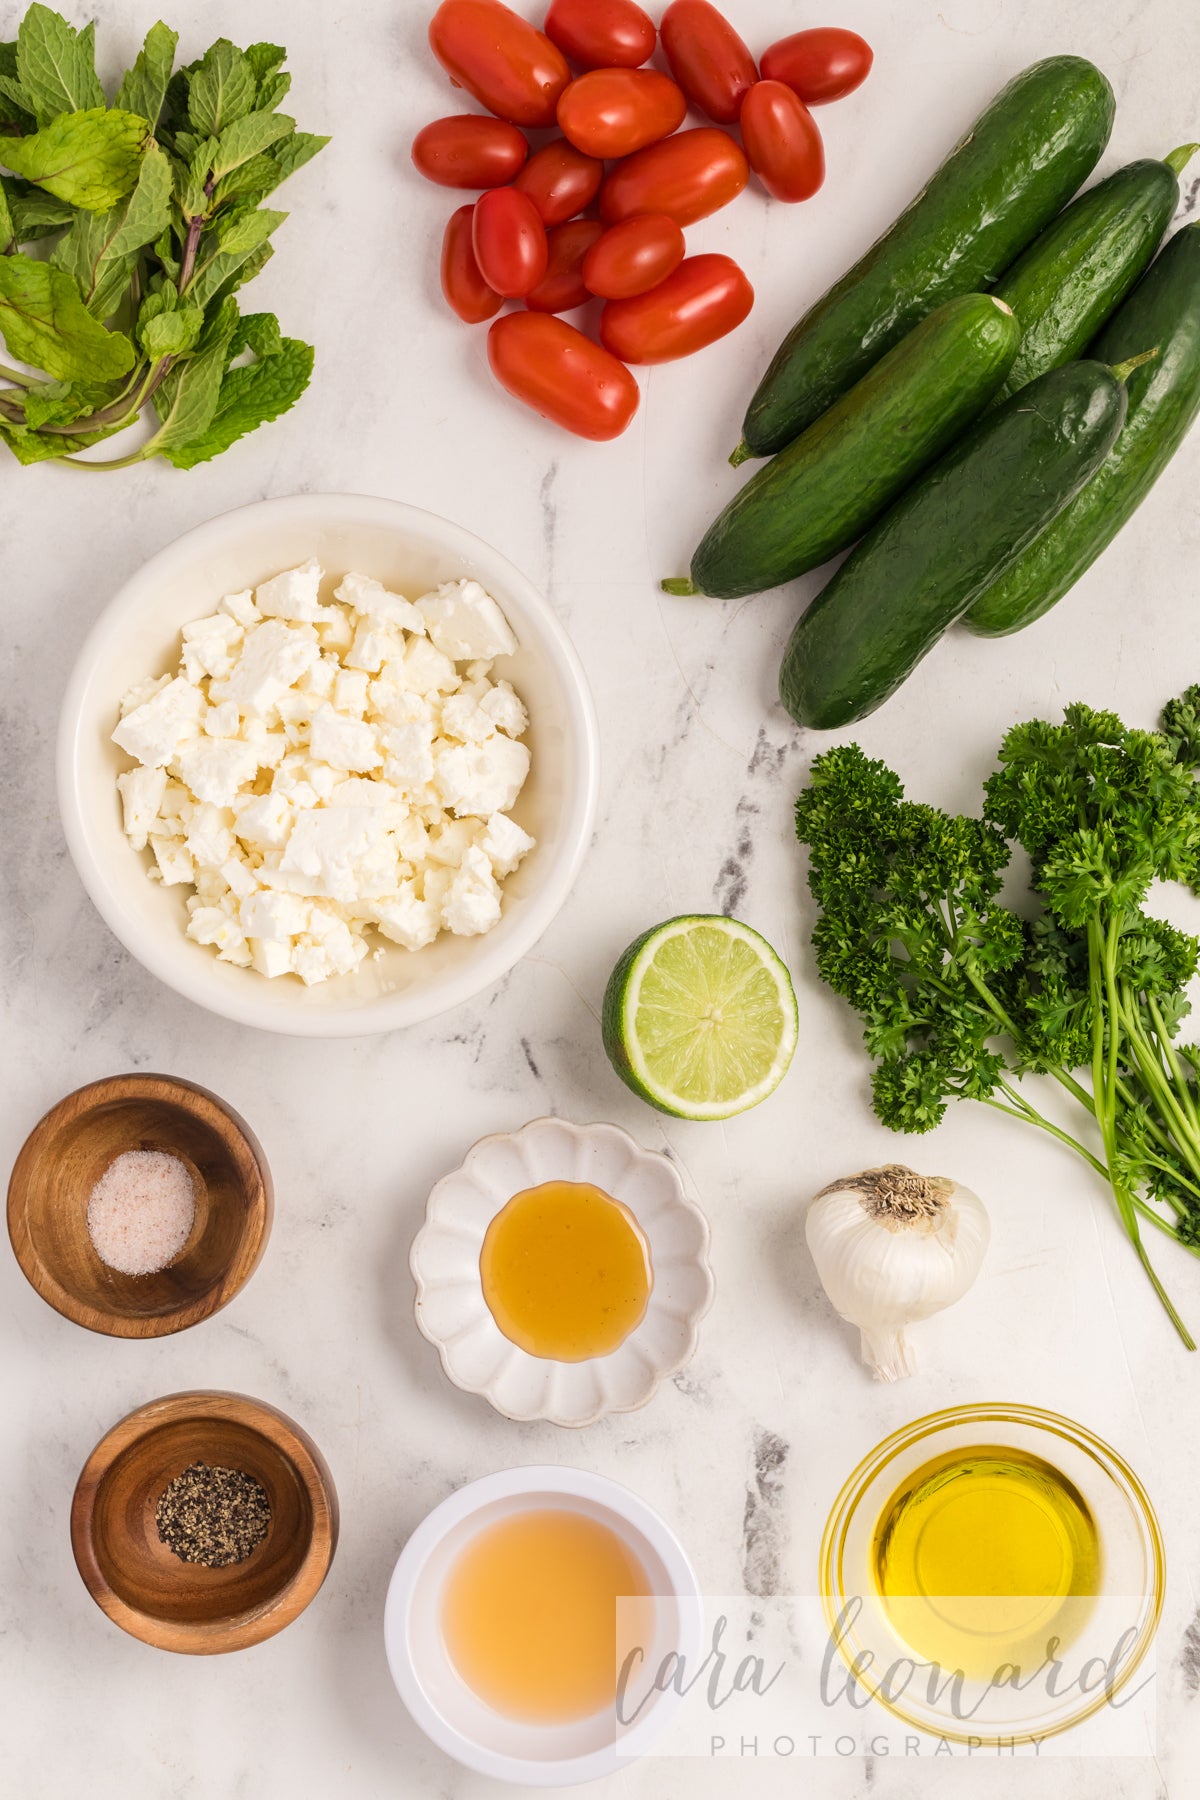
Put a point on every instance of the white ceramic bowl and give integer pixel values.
(453, 1314)
(447, 1710)
(138, 635)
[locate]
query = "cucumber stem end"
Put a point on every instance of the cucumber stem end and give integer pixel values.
(679, 584)
(1123, 370)
(1179, 159)
(742, 454)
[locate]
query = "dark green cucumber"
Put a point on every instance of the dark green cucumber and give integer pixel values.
(954, 530)
(1073, 277)
(823, 491)
(1020, 162)
(1164, 399)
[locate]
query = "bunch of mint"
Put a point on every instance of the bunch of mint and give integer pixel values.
(154, 206)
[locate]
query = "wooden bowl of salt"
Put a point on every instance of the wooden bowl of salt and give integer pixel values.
(139, 1205)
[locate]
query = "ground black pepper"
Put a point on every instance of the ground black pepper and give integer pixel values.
(213, 1516)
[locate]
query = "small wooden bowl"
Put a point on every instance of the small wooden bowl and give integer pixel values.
(65, 1155)
(149, 1591)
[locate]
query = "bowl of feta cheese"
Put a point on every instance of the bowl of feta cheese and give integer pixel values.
(327, 765)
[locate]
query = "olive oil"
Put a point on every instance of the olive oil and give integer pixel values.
(529, 1614)
(565, 1271)
(984, 1555)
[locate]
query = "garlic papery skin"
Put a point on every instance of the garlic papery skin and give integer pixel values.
(892, 1247)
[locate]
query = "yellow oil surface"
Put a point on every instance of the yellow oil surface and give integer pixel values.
(530, 1618)
(566, 1271)
(982, 1555)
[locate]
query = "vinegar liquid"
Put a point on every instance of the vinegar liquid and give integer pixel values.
(529, 1614)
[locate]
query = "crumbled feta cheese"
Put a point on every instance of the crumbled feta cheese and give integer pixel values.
(472, 901)
(292, 595)
(370, 598)
(465, 622)
(274, 656)
(344, 743)
(266, 821)
(242, 608)
(142, 791)
(505, 709)
(504, 844)
(480, 779)
(215, 768)
(388, 762)
(152, 732)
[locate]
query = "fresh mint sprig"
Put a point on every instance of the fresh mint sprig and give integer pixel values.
(155, 206)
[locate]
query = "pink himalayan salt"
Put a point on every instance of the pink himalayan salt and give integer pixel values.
(141, 1211)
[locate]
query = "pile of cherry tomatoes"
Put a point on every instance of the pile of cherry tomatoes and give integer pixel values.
(533, 235)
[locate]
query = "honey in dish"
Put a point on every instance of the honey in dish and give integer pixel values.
(566, 1271)
(984, 1554)
(530, 1618)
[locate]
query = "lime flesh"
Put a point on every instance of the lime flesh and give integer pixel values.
(700, 1017)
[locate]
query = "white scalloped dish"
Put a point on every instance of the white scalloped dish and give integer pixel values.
(451, 1309)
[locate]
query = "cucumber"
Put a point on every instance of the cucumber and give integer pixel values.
(823, 491)
(1164, 398)
(1019, 163)
(945, 539)
(1076, 274)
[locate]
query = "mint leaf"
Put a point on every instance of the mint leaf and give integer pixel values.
(45, 323)
(90, 159)
(258, 332)
(34, 214)
(171, 333)
(33, 447)
(265, 59)
(145, 86)
(295, 150)
(63, 402)
(225, 250)
(248, 137)
(254, 265)
(14, 101)
(222, 90)
(101, 250)
(272, 91)
(250, 396)
(8, 231)
(56, 65)
(187, 399)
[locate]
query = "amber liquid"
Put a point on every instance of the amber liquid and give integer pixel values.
(530, 1617)
(566, 1271)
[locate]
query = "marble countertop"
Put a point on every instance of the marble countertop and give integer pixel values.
(745, 1450)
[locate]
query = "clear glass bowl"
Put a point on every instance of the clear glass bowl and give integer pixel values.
(1117, 1625)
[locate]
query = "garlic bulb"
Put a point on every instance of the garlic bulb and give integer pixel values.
(892, 1247)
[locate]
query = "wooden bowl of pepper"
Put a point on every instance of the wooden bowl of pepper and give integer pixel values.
(204, 1522)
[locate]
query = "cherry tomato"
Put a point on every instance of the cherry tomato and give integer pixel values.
(509, 241)
(782, 141)
(707, 58)
(560, 180)
(511, 68)
(705, 298)
(602, 34)
(464, 287)
(819, 65)
(633, 256)
(545, 362)
(615, 112)
(687, 177)
(562, 286)
(469, 151)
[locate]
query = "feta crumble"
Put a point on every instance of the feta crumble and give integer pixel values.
(318, 772)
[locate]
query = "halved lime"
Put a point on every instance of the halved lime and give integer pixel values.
(700, 1017)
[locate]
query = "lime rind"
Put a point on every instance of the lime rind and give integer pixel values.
(658, 994)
